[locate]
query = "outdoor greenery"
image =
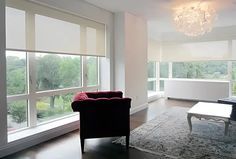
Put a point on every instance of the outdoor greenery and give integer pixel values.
(52, 72)
(200, 70)
(216, 70)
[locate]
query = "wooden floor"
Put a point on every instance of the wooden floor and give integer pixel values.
(68, 146)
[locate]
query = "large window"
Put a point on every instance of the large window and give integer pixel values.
(50, 55)
(17, 86)
(208, 70)
(45, 83)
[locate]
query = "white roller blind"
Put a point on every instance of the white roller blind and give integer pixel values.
(15, 28)
(196, 51)
(56, 35)
(45, 29)
(154, 50)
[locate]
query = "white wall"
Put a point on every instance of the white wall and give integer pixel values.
(3, 108)
(131, 58)
(193, 89)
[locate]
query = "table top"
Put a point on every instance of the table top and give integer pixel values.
(211, 109)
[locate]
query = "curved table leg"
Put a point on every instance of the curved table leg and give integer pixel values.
(189, 116)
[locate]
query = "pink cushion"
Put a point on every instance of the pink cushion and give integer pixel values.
(80, 96)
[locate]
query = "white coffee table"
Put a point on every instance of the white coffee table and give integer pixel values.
(210, 111)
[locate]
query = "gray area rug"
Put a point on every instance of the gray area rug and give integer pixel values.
(168, 136)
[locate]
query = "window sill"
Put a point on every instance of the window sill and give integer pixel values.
(41, 128)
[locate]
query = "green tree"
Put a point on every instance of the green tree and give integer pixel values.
(92, 71)
(17, 110)
(70, 72)
(48, 72)
(16, 75)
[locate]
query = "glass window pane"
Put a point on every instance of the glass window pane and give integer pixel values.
(16, 115)
(161, 85)
(234, 88)
(152, 86)
(164, 70)
(53, 107)
(200, 70)
(151, 69)
(92, 71)
(16, 72)
(57, 71)
(234, 70)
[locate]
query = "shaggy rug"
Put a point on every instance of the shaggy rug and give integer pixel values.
(168, 136)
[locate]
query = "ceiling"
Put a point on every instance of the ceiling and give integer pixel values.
(159, 12)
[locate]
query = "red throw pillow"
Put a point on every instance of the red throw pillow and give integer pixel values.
(80, 96)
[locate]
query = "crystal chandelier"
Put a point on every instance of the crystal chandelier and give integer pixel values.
(194, 19)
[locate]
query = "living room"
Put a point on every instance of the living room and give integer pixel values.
(50, 50)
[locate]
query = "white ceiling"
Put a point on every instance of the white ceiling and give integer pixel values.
(159, 12)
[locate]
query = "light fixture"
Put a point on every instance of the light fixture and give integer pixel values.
(194, 19)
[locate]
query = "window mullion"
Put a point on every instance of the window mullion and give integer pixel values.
(32, 90)
(84, 73)
(30, 44)
(98, 73)
(230, 76)
(157, 76)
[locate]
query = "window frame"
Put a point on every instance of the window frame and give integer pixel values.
(32, 94)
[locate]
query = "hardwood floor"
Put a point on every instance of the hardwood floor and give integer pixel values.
(68, 146)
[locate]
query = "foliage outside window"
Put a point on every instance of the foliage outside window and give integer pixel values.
(16, 73)
(151, 69)
(161, 85)
(61, 107)
(53, 72)
(92, 71)
(62, 71)
(200, 70)
(151, 85)
(164, 70)
(234, 78)
(17, 115)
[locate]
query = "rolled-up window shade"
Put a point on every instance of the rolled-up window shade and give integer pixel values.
(196, 51)
(15, 28)
(55, 31)
(154, 50)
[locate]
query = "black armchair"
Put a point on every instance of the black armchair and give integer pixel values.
(103, 114)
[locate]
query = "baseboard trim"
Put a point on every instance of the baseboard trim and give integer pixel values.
(138, 108)
(33, 140)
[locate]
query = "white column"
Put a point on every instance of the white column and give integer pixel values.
(3, 101)
(131, 58)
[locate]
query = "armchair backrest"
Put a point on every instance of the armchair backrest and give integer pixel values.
(108, 94)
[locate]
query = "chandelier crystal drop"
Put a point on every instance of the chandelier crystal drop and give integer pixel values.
(194, 19)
